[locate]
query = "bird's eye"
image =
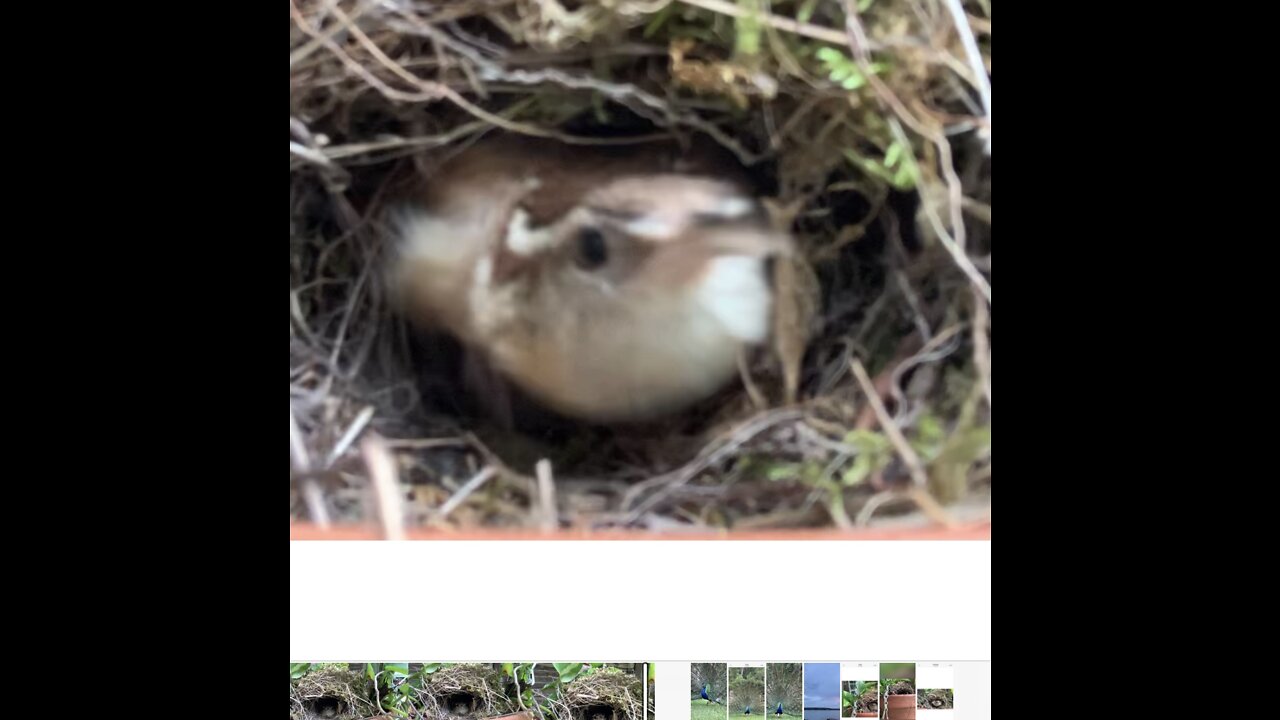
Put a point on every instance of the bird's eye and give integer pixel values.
(592, 252)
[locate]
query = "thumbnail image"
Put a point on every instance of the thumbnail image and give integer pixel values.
(860, 699)
(933, 699)
(746, 691)
(898, 691)
(649, 708)
(821, 691)
(708, 685)
(784, 689)
(471, 691)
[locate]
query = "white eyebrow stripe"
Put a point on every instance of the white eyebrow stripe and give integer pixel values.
(655, 227)
(667, 225)
(734, 207)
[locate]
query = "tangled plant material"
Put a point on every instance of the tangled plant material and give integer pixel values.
(869, 701)
(927, 699)
(331, 693)
(481, 684)
(867, 126)
(902, 687)
(613, 688)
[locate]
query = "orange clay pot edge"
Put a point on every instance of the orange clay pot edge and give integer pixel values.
(901, 707)
(969, 531)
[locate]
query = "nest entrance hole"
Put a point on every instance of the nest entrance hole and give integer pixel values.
(326, 706)
(597, 712)
(461, 703)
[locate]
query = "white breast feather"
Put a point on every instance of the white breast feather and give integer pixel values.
(427, 237)
(736, 292)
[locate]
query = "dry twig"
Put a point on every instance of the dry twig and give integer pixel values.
(386, 485)
(919, 494)
(547, 495)
(302, 465)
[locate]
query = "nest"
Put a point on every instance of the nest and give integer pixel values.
(466, 690)
(902, 687)
(608, 693)
(869, 701)
(935, 700)
(868, 137)
(329, 693)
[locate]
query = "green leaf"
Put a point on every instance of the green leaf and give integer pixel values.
(857, 472)
(788, 471)
(893, 155)
(864, 5)
(806, 10)
(397, 668)
(567, 671)
(431, 667)
(748, 29)
(405, 689)
(866, 440)
(877, 169)
(508, 669)
(658, 20)
(929, 429)
(905, 177)
(829, 55)
(853, 82)
(873, 453)
(371, 670)
(297, 670)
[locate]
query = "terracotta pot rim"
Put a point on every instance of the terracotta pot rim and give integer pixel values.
(969, 531)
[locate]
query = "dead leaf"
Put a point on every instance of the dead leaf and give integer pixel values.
(797, 305)
(798, 301)
(729, 80)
